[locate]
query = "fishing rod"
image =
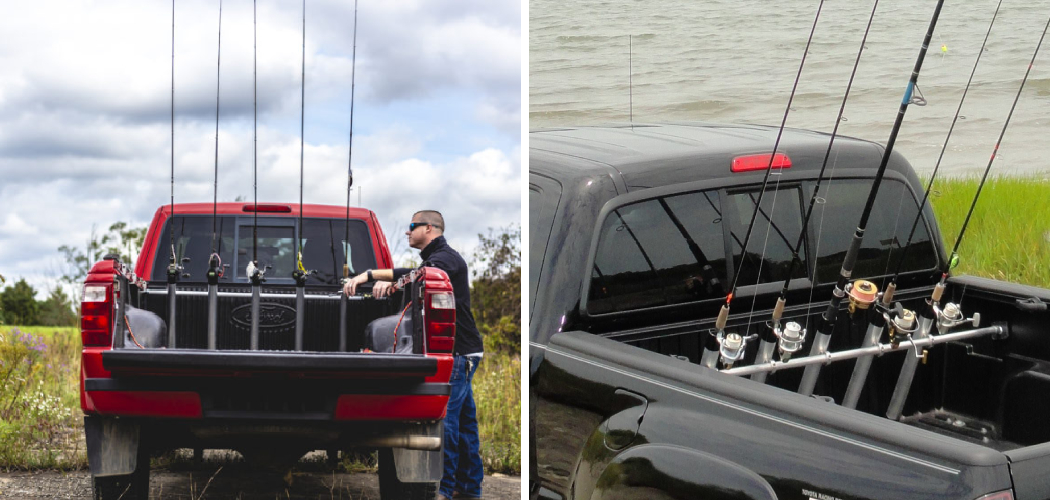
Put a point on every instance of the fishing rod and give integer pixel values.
(214, 261)
(789, 338)
(952, 315)
(730, 347)
(174, 269)
(344, 300)
(255, 272)
(863, 294)
(300, 273)
(882, 316)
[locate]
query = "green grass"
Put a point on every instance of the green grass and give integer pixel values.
(40, 417)
(1008, 237)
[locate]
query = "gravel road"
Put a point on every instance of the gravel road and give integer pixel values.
(229, 481)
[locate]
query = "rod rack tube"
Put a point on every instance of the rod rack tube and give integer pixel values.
(875, 350)
(765, 354)
(768, 342)
(171, 315)
(300, 307)
(860, 370)
(213, 316)
(809, 377)
(911, 363)
(256, 299)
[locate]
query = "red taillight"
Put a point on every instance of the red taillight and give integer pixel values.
(440, 321)
(96, 315)
(751, 163)
(284, 209)
(999, 495)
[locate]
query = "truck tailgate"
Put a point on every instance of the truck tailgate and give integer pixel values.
(196, 361)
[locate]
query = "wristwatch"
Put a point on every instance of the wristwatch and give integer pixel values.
(369, 274)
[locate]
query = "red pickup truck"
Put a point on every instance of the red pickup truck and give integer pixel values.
(273, 369)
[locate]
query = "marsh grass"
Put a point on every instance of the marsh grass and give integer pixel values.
(1009, 234)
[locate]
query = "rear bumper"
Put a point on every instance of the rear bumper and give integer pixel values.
(260, 398)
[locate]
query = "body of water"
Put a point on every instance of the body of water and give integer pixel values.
(735, 61)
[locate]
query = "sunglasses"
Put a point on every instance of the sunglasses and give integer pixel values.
(414, 225)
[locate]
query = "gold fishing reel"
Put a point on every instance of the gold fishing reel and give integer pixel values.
(862, 294)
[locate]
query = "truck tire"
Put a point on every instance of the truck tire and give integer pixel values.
(134, 486)
(391, 488)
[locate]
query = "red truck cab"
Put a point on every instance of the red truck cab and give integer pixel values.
(272, 371)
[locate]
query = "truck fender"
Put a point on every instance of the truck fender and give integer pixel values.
(112, 445)
(671, 472)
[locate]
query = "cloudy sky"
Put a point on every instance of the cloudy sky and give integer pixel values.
(85, 118)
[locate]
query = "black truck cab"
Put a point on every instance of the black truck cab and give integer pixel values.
(635, 238)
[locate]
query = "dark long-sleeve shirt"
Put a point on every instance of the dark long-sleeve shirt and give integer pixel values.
(438, 254)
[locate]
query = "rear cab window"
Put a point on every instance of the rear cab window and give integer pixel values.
(325, 244)
(671, 250)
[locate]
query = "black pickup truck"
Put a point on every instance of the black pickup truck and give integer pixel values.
(635, 235)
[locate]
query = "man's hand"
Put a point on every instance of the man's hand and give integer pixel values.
(350, 288)
(382, 289)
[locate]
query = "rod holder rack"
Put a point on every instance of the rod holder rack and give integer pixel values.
(876, 350)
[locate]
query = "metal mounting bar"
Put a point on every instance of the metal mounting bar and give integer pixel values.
(877, 350)
(255, 317)
(342, 323)
(171, 315)
(300, 308)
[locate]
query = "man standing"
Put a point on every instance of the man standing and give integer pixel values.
(463, 469)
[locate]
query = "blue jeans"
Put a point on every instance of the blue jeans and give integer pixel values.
(463, 469)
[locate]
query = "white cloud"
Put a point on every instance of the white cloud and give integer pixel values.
(85, 136)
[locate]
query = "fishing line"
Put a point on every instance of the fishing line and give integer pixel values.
(772, 156)
(255, 133)
(302, 149)
(954, 256)
(215, 199)
(350, 159)
(171, 225)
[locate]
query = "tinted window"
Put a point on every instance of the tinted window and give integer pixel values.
(323, 246)
(193, 246)
(836, 219)
(776, 231)
(659, 252)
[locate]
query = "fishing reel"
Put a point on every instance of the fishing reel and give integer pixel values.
(901, 322)
(789, 339)
(952, 316)
(731, 347)
(862, 294)
(256, 274)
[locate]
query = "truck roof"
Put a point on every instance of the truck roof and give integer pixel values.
(242, 208)
(651, 155)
